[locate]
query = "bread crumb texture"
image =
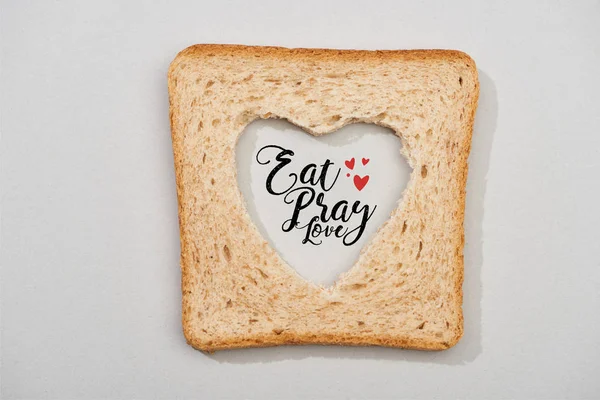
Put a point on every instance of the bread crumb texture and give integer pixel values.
(405, 290)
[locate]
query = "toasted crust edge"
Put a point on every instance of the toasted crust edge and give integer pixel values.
(291, 338)
(346, 54)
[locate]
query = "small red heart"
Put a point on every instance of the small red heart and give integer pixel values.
(359, 182)
(350, 163)
(365, 161)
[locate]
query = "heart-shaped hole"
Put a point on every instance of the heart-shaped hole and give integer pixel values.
(319, 200)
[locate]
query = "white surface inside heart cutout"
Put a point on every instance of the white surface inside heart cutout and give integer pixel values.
(319, 200)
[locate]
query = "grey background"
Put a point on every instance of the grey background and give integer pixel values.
(90, 291)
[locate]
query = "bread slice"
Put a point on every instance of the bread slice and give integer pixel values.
(405, 290)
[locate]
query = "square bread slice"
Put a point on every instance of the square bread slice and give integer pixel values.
(405, 290)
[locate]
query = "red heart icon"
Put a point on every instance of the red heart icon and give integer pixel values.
(350, 163)
(365, 161)
(359, 182)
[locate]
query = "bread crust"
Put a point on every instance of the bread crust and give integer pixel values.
(205, 317)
